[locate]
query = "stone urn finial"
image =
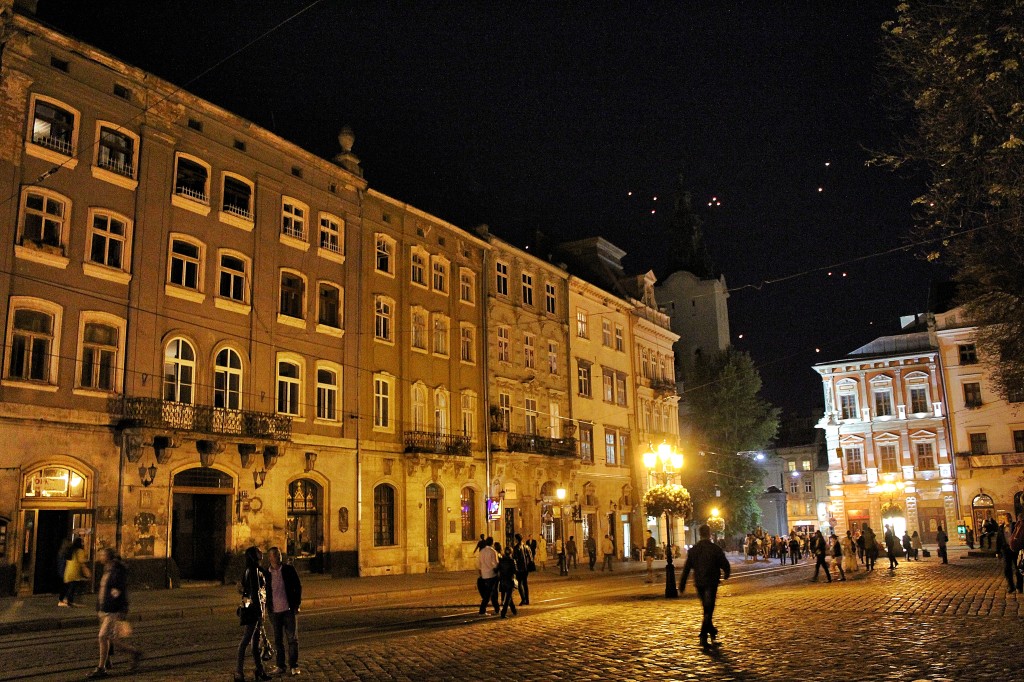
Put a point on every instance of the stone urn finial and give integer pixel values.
(346, 138)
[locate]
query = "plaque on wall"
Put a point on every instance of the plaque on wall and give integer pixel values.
(106, 514)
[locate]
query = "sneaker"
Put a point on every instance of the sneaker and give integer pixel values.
(97, 674)
(63, 604)
(295, 671)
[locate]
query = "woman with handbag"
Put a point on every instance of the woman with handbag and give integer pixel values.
(250, 614)
(76, 570)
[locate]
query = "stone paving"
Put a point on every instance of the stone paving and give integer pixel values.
(925, 621)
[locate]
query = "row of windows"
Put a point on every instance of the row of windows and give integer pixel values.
(616, 445)
(385, 516)
(917, 397)
(501, 288)
(427, 331)
(504, 349)
(888, 458)
(611, 336)
(613, 383)
(384, 408)
(657, 416)
(531, 415)
(655, 366)
(420, 263)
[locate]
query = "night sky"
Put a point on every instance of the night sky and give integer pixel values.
(546, 116)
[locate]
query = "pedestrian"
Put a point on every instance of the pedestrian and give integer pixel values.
(112, 609)
(649, 551)
(915, 543)
(572, 551)
(991, 529)
(523, 558)
(507, 581)
(76, 570)
(591, 545)
(794, 550)
(563, 559)
(607, 552)
(908, 546)
(487, 564)
(1014, 579)
(870, 546)
(970, 538)
(890, 546)
(284, 597)
(849, 548)
(532, 542)
(709, 565)
(941, 538)
(250, 614)
(837, 556)
(783, 548)
(481, 543)
(818, 550)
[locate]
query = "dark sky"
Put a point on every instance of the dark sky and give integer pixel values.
(546, 115)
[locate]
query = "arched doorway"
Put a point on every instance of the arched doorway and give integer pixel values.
(53, 500)
(434, 496)
(982, 506)
(304, 532)
(199, 521)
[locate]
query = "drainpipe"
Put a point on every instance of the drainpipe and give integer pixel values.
(486, 412)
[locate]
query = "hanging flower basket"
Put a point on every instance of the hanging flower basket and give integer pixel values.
(716, 524)
(674, 499)
(891, 509)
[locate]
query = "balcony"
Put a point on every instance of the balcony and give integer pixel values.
(663, 387)
(542, 445)
(437, 443)
(154, 413)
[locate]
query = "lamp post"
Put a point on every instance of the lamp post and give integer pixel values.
(891, 488)
(563, 564)
(671, 462)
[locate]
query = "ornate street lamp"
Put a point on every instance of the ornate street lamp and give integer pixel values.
(563, 560)
(668, 498)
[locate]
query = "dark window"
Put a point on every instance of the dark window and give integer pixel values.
(99, 349)
(60, 64)
(329, 306)
(232, 278)
(979, 444)
(44, 220)
(195, 124)
(237, 197)
(1018, 441)
(972, 394)
(854, 461)
(587, 443)
(383, 516)
(122, 92)
(185, 264)
(296, 171)
(292, 289)
(240, 145)
(968, 353)
(191, 179)
(116, 152)
(30, 346)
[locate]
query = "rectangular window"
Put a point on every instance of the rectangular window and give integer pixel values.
(968, 353)
(293, 290)
(794, 485)
(623, 448)
(384, 252)
(1018, 441)
(531, 416)
(237, 198)
(583, 377)
(505, 411)
(440, 275)
(791, 465)
(330, 233)
(293, 219)
(645, 370)
(329, 306)
(552, 357)
(1016, 395)
(107, 240)
(919, 400)
(549, 298)
(581, 324)
(608, 386)
(326, 395)
(620, 388)
(192, 180)
(99, 351)
(883, 402)
(854, 461)
(43, 219)
(116, 152)
(587, 442)
(288, 388)
(381, 403)
(232, 278)
(185, 262)
(606, 333)
(979, 444)
(847, 406)
(972, 394)
(419, 329)
(529, 352)
(467, 286)
(805, 465)
(527, 289)
(440, 335)
(501, 278)
(808, 484)
(620, 343)
(556, 419)
(382, 311)
(611, 443)
(925, 456)
(504, 344)
(53, 127)
(889, 462)
(467, 344)
(469, 415)
(383, 516)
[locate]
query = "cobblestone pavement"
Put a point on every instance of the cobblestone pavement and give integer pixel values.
(925, 621)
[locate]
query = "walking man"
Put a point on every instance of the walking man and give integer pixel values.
(571, 550)
(709, 565)
(487, 562)
(649, 551)
(112, 608)
(591, 545)
(837, 555)
(521, 556)
(283, 600)
(607, 552)
(818, 550)
(1014, 579)
(890, 546)
(942, 539)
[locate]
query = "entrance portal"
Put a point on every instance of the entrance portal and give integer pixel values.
(433, 523)
(199, 523)
(53, 528)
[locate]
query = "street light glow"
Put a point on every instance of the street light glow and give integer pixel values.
(560, 493)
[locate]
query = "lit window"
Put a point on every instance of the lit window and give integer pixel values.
(467, 506)
(582, 330)
(289, 387)
(53, 128)
(179, 371)
(611, 445)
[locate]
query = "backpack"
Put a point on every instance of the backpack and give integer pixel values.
(1017, 539)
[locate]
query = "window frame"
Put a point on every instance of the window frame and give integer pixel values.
(119, 325)
(54, 255)
(501, 278)
(440, 335)
(504, 343)
(972, 394)
(288, 318)
(440, 274)
(383, 403)
(179, 362)
(529, 350)
(56, 313)
(107, 172)
(385, 515)
(335, 226)
(241, 218)
(388, 252)
(967, 353)
(228, 372)
(586, 442)
(324, 327)
(242, 304)
(848, 452)
(419, 262)
(467, 343)
(526, 289)
(467, 412)
(550, 298)
(584, 378)
(296, 384)
(68, 159)
(384, 319)
(102, 270)
(467, 283)
(930, 458)
(327, 389)
(293, 212)
(182, 290)
(186, 198)
(419, 324)
(582, 324)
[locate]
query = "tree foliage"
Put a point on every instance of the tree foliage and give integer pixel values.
(957, 68)
(674, 499)
(725, 415)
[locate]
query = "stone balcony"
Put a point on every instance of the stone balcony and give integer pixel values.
(437, 443)
(166, 415)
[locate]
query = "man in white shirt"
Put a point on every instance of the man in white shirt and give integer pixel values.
(487, 583)
(284, 597)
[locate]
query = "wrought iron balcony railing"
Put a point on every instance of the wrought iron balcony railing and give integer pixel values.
(440, 443)
(663, 386)
(165, 414)
(542, 445)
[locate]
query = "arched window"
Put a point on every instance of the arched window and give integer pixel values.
(227, 380)
(468, 508)
(179, 371)
(383, 515)
(419, 407)
(304, 530)
(440, 411)
(55, 481)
